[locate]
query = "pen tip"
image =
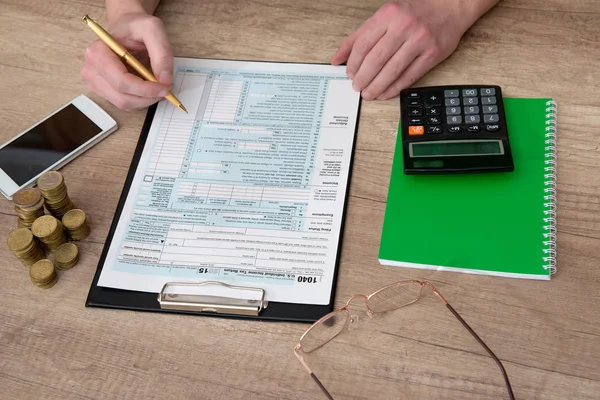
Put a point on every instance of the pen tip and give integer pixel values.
(85, 18)
(183, 108)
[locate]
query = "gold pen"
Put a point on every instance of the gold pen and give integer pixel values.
(127, 57)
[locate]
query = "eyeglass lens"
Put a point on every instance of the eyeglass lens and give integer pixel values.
(325, 331)
(394, 297)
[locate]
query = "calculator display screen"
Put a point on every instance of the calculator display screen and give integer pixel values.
(456, 148)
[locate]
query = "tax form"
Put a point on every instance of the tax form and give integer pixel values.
(248, 189)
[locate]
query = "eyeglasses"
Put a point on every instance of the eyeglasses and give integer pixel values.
(388, 298)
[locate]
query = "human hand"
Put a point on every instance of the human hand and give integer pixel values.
(144, 36)
(401, 42)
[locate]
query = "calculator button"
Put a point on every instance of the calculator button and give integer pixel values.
(491, 118)
(414, 103)
(492, 127)
(452, 110)
(415, 121)
(415, 112)
(473, 128)
(433, 111)
(453, 102)
(413, 95)
(450, 93)
(434, 99)
(488, 91)
(454, 119)
(434, 121)
(488, 100)
(416, 130)
(472, 119)
(472, 110)
(470, 101)
(455, 129)
(469, 92)
(490, 109)
(434, 129)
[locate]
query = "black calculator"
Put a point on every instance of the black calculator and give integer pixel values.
(454, 129)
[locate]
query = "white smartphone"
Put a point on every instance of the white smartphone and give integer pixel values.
(51, 143)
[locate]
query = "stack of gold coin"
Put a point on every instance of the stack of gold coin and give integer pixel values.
(53, 188)
(29, 205)
(50, 231)
(43, 274)
(75, 221)
(23, 245)
(66, 256)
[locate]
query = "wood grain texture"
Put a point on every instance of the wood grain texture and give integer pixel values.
(546, 333)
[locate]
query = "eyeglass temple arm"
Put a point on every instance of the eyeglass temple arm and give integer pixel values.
(312, 375)
(481, 342)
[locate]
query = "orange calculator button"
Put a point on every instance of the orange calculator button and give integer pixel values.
(416, 130)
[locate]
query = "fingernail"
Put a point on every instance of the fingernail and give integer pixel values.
(367, 96)
(350, 75)
(162, 93)
(355, 87)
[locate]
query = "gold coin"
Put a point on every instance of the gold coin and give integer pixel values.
(31, 216)
(45, 226)
(28, 262)
(70, 265)
(19, 240)
(55, 201)
(42, 271)
(39, 206)
(47, 285)
(56, 192)
(66, 253)
(50, 180)
(61, 211)
(27, 197)
(73, 219)
(80, 234)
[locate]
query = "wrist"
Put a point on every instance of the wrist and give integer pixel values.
(115, 9)
(467, 12)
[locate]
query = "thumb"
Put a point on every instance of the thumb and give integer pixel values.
(154, 36)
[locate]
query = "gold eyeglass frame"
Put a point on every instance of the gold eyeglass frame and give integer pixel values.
(344, 309)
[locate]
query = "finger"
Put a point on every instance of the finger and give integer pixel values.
(341, 55)
(110, 67)
(392, 70)
(121, 100)
(154, 36)
(343, 52)
(376, 60)
(362, 45)
(420, 66)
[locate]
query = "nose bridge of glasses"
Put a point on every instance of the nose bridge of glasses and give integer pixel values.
(357, 296)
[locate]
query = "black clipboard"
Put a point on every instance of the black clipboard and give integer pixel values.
(104, 297)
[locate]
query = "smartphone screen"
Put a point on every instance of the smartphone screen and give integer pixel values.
(47, 143)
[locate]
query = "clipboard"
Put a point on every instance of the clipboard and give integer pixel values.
(166, 302)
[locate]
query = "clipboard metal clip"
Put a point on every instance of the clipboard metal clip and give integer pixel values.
(212, 301)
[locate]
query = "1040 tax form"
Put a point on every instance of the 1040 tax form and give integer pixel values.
(249, 188)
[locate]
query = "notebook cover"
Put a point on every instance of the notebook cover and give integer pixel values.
(489, 223)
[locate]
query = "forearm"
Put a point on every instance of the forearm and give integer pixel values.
(116, 8)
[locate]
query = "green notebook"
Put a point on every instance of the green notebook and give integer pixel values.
(496, 223)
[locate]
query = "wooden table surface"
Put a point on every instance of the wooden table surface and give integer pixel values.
(546, 333)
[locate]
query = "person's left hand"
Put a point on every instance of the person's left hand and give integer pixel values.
(399, 44)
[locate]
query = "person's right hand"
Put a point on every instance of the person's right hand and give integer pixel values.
(143, 36)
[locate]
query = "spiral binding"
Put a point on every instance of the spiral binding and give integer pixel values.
(551, 130)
